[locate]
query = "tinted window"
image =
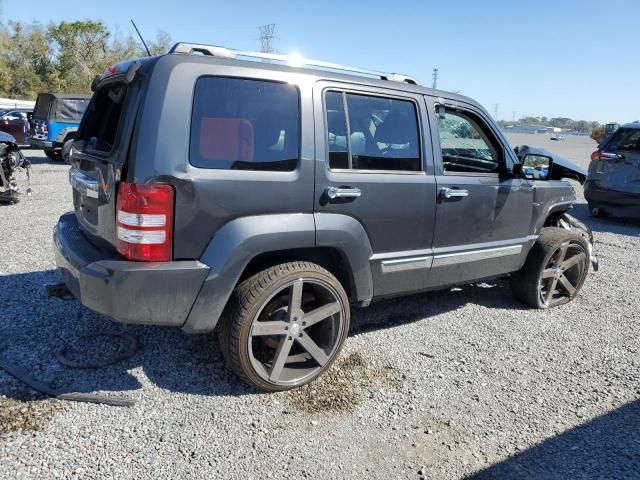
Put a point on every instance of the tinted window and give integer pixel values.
(70, 109)
(465, 145)
(42, 106)
(381, 133)
(245, 125)
(625, 139)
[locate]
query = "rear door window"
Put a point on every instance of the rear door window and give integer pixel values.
(625, 139)
(70, 109)
(243, 124)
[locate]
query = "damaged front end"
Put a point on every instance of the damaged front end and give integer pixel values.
(12, 161)
(562, 167)
(569, 222)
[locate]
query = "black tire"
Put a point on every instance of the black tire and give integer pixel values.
(542, 281)
(268, 300)
(52, 154)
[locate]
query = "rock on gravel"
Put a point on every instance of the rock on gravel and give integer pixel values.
(453, 384)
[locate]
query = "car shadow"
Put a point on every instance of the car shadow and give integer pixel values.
(39, 159)
(605, 447)
(617, 225)
(33, 327)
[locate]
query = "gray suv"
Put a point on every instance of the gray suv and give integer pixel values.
(262, 199)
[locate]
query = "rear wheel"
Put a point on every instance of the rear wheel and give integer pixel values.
(284, 326)
(55, 155)
(554, 271)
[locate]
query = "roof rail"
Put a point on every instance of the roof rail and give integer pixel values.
(293, 60)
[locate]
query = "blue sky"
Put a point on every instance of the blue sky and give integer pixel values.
(556, 58)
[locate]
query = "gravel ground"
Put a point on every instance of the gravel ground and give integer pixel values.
(450, 384)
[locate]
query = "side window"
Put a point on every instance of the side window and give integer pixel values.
(242, 124)
(466, 148)
(372, 133)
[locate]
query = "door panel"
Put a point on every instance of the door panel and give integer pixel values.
(396, 208)
(485, 232)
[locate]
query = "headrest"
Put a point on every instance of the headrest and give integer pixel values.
(226, 139)
(397, 129)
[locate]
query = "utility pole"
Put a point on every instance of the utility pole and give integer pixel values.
(495, 111)
(266, 37)
(435, 78)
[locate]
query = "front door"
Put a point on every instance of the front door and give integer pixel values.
(372, 167)
(484, 212)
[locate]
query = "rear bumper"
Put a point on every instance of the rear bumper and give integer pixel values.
(35, 143)
(130, 292)
(612, 201)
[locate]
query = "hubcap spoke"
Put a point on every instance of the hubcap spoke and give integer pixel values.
(548, 273)
(566, 284)
(562, 253)
(573, 261)
(310, 346)
(552, 288)
(269, 328)
(295, 298)
(280, 358)
(320, 314)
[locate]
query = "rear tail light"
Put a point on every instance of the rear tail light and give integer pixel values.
(600, 155)
(145, 222)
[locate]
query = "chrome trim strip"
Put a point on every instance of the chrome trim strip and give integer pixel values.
(475, 255)
(404, 264)
(83, 183)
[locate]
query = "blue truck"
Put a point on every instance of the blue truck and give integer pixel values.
(55, 120)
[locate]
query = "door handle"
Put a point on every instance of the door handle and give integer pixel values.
(454, 193)
(335, 192)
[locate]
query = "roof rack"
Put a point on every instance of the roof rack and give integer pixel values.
(293, 60)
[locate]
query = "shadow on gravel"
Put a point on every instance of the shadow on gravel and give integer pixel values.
(619, 226)
(413, 308)
(606, 447)
(39, 159)
(33, 327)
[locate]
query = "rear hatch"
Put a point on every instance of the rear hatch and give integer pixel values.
(38, 124)
(99, 157)
(616, 165)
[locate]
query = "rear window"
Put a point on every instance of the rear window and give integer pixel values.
(70, 109)
(625, 139)
(243, 124)
(103, 116)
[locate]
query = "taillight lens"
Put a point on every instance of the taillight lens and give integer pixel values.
(145, 221)
(600, 155)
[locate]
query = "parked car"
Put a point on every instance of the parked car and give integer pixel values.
(55, 120)
(15, 122)
(285, 194)
(557, 137)
(613, 184)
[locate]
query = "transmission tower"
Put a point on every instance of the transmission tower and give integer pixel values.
(266, 37)
(435, 78)
(495, 111)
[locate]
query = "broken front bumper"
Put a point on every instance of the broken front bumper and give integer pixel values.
(157, 293)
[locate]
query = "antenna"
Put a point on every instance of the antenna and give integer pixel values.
(266, 37)
(141, 39)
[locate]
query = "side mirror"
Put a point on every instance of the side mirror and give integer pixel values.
(535, 167)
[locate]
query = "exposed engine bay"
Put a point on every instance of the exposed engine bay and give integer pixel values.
(12, 161)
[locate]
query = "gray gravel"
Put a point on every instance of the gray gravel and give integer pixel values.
(441, 385)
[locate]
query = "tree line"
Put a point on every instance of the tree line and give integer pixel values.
(63, 57)
(584, 126)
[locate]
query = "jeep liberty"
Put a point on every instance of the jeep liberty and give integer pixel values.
(215, 190)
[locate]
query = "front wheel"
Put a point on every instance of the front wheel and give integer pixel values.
(284, 326)
(554, 271)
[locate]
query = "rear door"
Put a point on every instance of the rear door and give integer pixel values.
(484, 212)
(374, 166)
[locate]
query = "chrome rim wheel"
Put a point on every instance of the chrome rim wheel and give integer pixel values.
(564, 274)
(296, 332)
